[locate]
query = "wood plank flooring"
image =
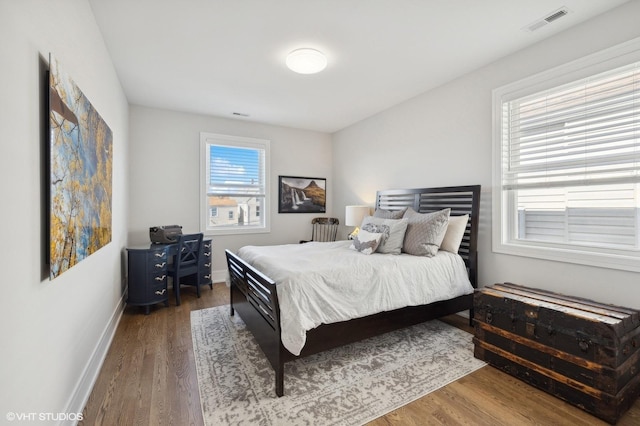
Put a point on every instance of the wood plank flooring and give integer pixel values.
(149, 378)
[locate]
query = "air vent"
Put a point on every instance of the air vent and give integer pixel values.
(556, 15)
(551, 17)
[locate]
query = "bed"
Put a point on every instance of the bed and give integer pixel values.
(254, 294)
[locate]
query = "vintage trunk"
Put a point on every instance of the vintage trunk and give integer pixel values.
(584, 352)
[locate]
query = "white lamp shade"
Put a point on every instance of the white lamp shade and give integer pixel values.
(355, 214)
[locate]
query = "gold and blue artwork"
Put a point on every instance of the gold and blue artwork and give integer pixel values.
(81, 167)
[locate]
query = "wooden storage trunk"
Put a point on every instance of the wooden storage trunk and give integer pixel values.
(584, 352)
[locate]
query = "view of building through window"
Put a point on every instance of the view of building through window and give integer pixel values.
(225, 210)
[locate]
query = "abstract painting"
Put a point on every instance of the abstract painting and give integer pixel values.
(80, 185)
(301, 194)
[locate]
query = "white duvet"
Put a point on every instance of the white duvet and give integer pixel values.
(329, 282)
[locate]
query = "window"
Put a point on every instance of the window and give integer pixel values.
(234, 184)
(567, 162)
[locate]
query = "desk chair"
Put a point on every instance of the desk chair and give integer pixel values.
(186, 263)
(323, 229)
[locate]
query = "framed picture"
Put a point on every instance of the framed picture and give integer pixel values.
(301, 194)
(80, 174)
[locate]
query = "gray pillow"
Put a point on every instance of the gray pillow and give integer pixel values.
(390, 214)
(425, 232)
(392, 231)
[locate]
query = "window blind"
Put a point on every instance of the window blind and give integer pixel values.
(583, 133)
(236, 171)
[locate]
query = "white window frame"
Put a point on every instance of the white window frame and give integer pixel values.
(207, 139)
(502, 220)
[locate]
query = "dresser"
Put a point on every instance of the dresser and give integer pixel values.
(147, 282)
(205, 264)
(148, 277)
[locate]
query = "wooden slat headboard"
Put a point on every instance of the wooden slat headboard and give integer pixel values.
(460, 199)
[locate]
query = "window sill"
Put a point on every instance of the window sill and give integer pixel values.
(599, 259)
(236, 231)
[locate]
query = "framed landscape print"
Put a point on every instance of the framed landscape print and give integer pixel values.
(301, 194)
(80, 174)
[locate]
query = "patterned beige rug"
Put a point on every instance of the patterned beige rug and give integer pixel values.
(345, 386)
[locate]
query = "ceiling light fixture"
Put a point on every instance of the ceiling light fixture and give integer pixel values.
(306, 61)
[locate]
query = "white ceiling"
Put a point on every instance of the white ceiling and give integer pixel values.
(217, 57)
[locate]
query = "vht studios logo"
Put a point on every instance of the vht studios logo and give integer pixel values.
(54, 417)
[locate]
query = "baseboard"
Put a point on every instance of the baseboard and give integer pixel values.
(83, 389)
(464, 314)
(220, 276)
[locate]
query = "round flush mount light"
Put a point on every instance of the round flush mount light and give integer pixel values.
(306, 61)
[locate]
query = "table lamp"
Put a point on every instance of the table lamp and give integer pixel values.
(354, 216)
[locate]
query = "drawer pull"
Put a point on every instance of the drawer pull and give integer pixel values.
(207, 254)
(207, 264)
(160, 293)
(160, 278)
(206, 277)
(207, 245)
(160, 265)
(162, 254)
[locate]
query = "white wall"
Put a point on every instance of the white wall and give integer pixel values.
(51, 331)
(443, 137)
(165, 171)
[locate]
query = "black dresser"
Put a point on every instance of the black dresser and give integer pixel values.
(148, 278)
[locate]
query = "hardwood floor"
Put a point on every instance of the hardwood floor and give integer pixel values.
(149, 378)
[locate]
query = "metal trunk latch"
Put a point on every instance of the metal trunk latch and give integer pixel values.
(531, 329)
(531, 314)
(583, 341)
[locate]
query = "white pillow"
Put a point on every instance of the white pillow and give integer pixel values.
(454, 234)
(392, 231)
(366, 242)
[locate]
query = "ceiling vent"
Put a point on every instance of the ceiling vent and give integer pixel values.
(552, 17)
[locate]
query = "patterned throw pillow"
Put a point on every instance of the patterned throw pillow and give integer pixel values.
(366, 242)
(425, 232)
(392, 231)
(388, 214)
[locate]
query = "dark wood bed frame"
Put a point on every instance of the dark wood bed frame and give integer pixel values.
(254, 295)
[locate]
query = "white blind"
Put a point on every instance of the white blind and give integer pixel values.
(236, 171)
(583, 133)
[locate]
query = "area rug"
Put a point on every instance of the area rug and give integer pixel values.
(350, 385)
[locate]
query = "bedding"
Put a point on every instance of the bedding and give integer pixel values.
(393, 231)
(425, 232)
(388, 214)
(323, 283)
(366, 242)
(455, 232)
